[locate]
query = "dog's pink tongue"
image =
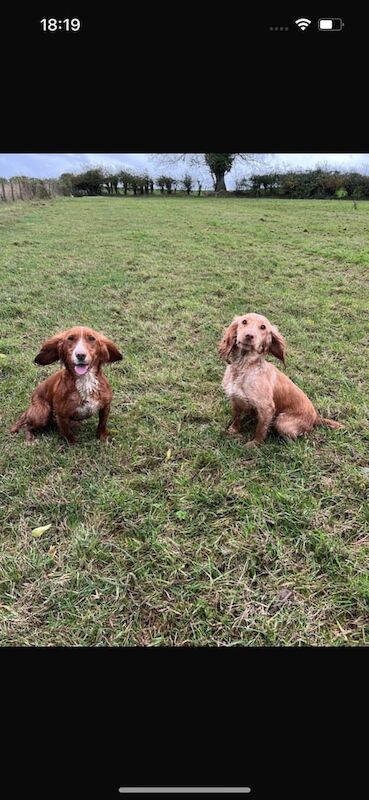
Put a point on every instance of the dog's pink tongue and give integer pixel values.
(81, 370)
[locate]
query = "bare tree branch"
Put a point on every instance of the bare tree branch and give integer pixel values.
(168, 159)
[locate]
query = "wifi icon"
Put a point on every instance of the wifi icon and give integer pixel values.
(303, 23)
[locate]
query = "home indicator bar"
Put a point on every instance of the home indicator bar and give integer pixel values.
(184, 789)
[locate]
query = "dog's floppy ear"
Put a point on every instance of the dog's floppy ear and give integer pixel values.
(50, 350)
(109, 350)
(229, 340)
(277, 346)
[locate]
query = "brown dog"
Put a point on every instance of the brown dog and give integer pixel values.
(254, 385)
(78, 390)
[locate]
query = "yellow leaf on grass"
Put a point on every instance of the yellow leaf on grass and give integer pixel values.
(168, 455)
(39, 531)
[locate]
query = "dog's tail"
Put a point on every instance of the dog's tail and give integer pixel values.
(330, 423)
(19, 424)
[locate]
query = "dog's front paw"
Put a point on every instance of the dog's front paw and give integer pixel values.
(233, 431)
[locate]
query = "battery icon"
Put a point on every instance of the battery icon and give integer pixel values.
(330, 24)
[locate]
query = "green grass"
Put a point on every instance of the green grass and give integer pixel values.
(207, 544)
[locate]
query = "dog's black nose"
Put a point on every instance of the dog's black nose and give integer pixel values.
(81, 356)
(249, 337)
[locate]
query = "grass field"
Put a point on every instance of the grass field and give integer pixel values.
(173, 534)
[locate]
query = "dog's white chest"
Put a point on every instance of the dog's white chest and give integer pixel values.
(241, 386)
(88, 389)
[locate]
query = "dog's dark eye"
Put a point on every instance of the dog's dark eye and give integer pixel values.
(71, 338)
(263, 327)
(244, 322)
(91, 338)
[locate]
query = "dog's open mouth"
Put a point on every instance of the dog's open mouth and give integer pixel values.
(81, 369)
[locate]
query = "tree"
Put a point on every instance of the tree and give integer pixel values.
(66, 182)
(255, 181)
(245, 184)
(187, 183)
(89, 182)
(135, 183)
(169, 183)
(125, 178)
(161, 183)
(110, 180)
(39, 189)
(268, 181)
(219, 164)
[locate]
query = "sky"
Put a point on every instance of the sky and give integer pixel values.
(51, 165)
